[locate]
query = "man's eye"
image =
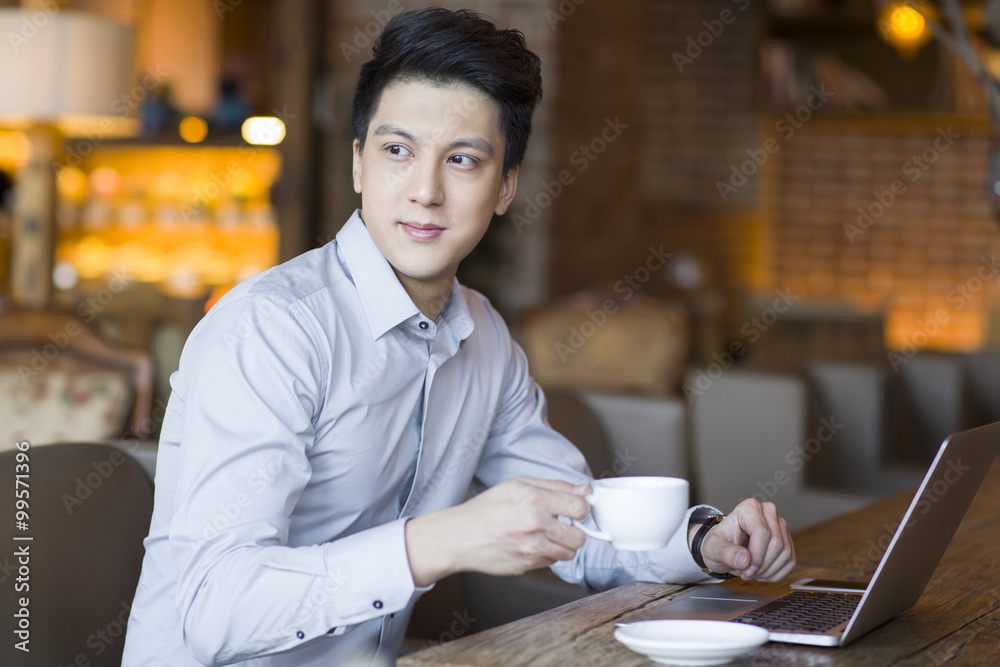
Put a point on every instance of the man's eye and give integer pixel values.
(396, 149)
(464, 160)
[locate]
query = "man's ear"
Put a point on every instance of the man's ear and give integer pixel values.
(357, 166)
(507, 191)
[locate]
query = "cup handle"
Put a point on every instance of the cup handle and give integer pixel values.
(596, 534)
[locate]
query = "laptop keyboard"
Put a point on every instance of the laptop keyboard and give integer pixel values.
(803, 612)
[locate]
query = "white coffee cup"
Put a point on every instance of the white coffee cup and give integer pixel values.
(636, 513)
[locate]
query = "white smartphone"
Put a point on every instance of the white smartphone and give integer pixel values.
(834, 585)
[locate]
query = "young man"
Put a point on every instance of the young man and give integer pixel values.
(330, 415)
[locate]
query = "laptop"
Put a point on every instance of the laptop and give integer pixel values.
(913, 554)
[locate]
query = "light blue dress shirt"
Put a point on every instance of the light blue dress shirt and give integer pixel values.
(315, 410)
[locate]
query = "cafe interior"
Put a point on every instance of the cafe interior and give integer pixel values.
(755, 244)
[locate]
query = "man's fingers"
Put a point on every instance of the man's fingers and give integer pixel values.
(565, 537)
(558, 498)
(551, 484)
(757, 525)
(752, 542)
(782, 556)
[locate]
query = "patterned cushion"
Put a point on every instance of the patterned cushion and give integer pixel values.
(593, 342)
(57, 405)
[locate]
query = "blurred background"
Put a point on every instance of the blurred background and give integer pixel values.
(757, 239)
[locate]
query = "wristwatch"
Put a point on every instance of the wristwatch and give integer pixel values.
(710, 521)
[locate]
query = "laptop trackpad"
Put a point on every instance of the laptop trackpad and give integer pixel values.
(712, 602)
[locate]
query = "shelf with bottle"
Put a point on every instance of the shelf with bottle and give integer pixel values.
(188, 220)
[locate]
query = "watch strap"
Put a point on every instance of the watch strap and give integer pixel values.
(710, 522)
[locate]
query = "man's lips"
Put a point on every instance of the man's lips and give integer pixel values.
(421, 231)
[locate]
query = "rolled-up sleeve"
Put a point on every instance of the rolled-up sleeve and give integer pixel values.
(250, 389)
(522, 443)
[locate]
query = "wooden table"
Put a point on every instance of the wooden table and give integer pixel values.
(956, 621)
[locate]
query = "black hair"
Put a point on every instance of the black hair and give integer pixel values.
(445, 47)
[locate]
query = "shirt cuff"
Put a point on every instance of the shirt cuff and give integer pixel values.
(368, 576)
(680, 566)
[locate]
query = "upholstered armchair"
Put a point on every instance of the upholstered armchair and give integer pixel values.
(60, 382)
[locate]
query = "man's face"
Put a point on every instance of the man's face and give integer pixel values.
(431, 177)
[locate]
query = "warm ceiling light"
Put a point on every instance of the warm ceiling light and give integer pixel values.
(193, 129)
(907, 23)
(263, 130)
(904, 28)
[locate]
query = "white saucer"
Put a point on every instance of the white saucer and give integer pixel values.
(690, 642)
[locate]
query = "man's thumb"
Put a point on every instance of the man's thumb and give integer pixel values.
(735, 557)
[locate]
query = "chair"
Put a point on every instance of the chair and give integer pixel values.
(90, 507)
(749, 439)
(591, 341)
(934, 401)
(982, 371)
(60, 382)
(647, 435)
(860, 457)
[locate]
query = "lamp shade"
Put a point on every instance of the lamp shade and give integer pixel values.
(66, 69)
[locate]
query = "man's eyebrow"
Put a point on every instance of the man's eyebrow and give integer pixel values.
(475, 143)
(395, 129)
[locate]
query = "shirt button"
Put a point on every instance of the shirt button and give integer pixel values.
(300, 634)
(423, 325)
(377, 604)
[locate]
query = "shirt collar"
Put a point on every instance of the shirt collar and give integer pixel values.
(385, 302)
(456, 315)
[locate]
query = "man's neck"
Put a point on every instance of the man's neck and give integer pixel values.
(429, 297)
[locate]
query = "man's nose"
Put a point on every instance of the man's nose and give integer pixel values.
(425, 185)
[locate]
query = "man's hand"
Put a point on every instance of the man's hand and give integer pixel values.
(752, 542)
(509, 529)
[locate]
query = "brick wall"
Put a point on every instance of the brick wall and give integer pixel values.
(780, 222)
(891, 214)
(690, 116)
